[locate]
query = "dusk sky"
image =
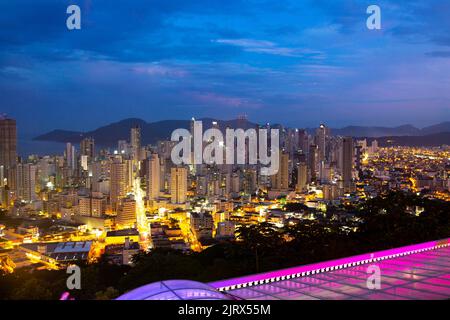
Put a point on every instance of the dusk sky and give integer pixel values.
(293, 62)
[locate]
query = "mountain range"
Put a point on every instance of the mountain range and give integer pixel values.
(107, 136)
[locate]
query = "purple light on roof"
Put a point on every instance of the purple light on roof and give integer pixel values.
(278, 275)
(174, 290)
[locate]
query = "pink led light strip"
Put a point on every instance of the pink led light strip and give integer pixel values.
(302, 271)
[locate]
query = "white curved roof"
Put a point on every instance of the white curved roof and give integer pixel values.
(174, 290)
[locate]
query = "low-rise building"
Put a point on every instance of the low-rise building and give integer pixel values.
(58, 252)
(122, 254)
(121, 236)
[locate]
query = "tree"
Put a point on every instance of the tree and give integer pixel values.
(260, 239)
(109, 294)
(33, 289)
(295, 207)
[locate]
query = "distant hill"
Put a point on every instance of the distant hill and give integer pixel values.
(438, 128)
(405, 130)
(107, 136)
(59, 136)
(358, 131)
(432, 140)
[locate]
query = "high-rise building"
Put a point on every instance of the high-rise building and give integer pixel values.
(202, 185)
(226, 184)
(250, 181)
(321, 141)
(313, 157)
(84, 163)
(330, 192)
(358, 158)
(325, 172)
(123, 147)
(226, 229)
(178, 185)
(291, 141)
(347, 162)
(280, 180)
(118, 183)
(70, 156)
(302, 176)
(136, 142)
(126, 215)
(303, 140)
(235, 183)
(374, 146)
(321, 134)
(8, 142)
(202, 225)
(46, 171)
(8, 150)
(26, 182)
(165, 149)
(92, 206)
(153, 177)
(2, 177)
(87, 148)
(213, 186)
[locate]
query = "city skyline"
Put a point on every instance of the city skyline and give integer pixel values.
(299, 64)
(137, 201)
(242, 150)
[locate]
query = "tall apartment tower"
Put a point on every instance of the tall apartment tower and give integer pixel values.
(321, 139)
(358, 158)
(118, 183)
(8, 142)
(374, 146)
(280, 181)
(8, 150)
(87, 148)
(313, 157)
(136, 142)
(303, 140)
(71, 156)
(178, 185)
(153, 177)
(26, 182)
(302, 176)
(347, 162)
(126, 215)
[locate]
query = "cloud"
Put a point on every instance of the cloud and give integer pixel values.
(160, 70)
(121, 31)
(267, 47)
(220, 100)
(259, 46)
(439, 54)
(278, 60)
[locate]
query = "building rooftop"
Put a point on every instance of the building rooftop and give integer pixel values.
(119, 248)
(62, 251)
(175, 290)
(122, 233)
(417, 272)
(69, 247)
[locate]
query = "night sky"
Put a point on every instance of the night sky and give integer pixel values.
(293, 62)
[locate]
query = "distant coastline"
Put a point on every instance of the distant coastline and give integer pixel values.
(28, 146)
